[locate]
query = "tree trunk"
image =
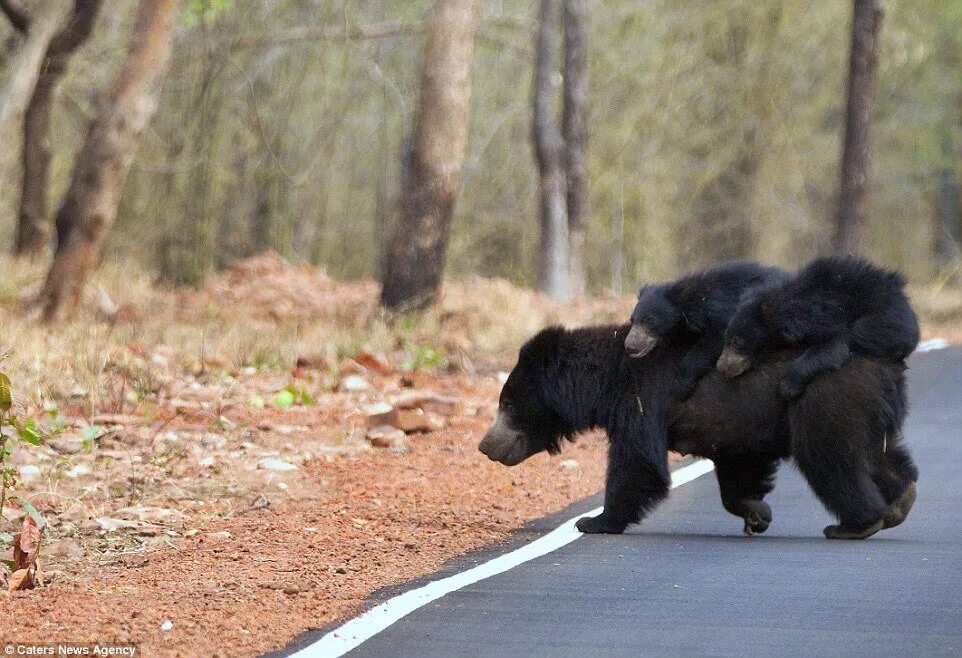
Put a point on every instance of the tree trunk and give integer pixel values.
(575, 126)
(850, 220)
(554, 277)
(422, 219)
(33, 225)
(948, 228)
(90, 204)
(24, 72)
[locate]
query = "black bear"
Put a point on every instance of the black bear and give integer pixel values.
(568, 381)
(833, 307)
(699, 304)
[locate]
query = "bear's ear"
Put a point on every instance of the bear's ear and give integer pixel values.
(542, 349)
(683, 290)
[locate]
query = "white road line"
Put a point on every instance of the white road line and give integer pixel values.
(351, 634)
(932, 345)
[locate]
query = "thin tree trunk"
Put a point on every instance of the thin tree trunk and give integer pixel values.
(850, 219)
(24, 72)
(415, 259)
(554, 276)
(90, 204)
(33, 225)
(575, 126)
(948, 228)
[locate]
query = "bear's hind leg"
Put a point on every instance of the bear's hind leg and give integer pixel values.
(842, 482)
(743, 484)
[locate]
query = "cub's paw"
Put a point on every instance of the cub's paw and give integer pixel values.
(900, 508)
(758, 516)
(852, 530)
(599, 525)
(790, 389)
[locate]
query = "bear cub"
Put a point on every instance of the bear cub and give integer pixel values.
(699, 305)
(833, 307)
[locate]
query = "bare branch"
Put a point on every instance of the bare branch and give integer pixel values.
(78, 27)
(327, 33)
(340, 33)
(16, 14)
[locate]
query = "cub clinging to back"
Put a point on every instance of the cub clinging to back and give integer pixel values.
(698, 305)
(833, 307)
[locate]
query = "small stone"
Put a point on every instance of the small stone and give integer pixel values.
(65, 549)
(167, 626)
(67, 445)
(207, 462)
(276, 465)
(408, 420)
(353, 384)
(374, 361)
(385, 436)
(150, 514)
(29, 473)
(568, 465)
(77, 471)
(313, 362)
(428, 401)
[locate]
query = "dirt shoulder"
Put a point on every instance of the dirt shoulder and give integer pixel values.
(248, 584)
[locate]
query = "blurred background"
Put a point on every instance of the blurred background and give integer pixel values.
(711, 130)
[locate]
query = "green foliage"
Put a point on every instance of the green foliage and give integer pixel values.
(205, 11)
(423, 356)
(284, 399)
(26, 432)
(293, 394)
(89, 436)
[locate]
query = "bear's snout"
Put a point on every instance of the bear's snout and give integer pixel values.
(504, 444)
(640, 341)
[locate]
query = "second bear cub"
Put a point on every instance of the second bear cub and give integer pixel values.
(832, 307)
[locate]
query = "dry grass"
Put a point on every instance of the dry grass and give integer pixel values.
(265, 313)
(262, 314)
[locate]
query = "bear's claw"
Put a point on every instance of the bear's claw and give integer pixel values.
(900, 508)
(852, 530)
(599, 525)
(758, 516)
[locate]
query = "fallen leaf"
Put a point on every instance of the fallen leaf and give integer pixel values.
(26, 544)
(21, 579)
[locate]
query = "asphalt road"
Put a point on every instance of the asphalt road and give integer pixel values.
(685, 582)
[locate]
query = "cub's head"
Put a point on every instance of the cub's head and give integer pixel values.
(746, 336)
(526, 424)
(655, 316)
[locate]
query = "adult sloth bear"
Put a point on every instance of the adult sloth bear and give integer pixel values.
(844, 431)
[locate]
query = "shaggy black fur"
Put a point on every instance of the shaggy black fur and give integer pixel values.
(832, 307)
(844, 432)
(698, 305)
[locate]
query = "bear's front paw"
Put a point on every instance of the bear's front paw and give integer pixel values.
(758, 516)
(600, 525)
(790, 389)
